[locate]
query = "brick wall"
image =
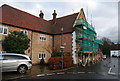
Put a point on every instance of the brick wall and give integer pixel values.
(41, 46)
(66, 40)
(36, 46)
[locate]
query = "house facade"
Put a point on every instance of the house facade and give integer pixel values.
(44, 35)
(115, 50)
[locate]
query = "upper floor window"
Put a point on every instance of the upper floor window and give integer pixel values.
(25, 32)
(3, 30)
(42, 37)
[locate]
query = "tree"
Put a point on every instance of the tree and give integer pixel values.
(16, 42)
(106, 46)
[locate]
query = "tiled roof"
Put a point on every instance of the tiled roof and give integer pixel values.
(13, 16)
(66, 22)
(115, 47)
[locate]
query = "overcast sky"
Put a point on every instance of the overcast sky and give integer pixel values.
(104, 12)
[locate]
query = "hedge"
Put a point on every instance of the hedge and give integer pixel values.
(56, 62)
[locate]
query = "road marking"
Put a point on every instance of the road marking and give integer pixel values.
(41, 75)
(81, 72)
(109, 70)
(50, 74)
(61, 73)
(111, 73)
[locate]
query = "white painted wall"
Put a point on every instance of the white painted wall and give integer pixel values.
(74, 47)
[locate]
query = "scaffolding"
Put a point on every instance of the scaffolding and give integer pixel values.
(86, 39)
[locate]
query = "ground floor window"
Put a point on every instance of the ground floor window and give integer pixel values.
(41, 55)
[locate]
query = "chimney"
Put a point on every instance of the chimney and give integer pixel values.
(41, 14)
(54, 16)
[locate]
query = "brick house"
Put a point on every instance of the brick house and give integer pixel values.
(44, 34)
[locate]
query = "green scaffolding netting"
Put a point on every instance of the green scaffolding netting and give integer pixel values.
(86, 37)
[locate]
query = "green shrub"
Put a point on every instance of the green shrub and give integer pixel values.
(56, 53)
(16, 42)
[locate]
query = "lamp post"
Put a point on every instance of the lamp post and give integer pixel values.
(62, 47)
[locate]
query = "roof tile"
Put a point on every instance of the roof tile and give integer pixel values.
(16, 17)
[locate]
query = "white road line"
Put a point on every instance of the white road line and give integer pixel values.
(50, 74)
(61, 73)
(41, 75)
(81, 72)
(109, 70)
(111, 73)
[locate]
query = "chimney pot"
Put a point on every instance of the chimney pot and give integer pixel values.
(54, 16)
(41, 14)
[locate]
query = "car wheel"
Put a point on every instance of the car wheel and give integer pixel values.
(22, 69)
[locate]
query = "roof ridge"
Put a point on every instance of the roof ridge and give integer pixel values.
(23, 11)
(65, 16)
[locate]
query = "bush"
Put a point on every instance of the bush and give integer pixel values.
(16, 42)
(56, 53)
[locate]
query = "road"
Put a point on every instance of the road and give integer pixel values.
(106, 69)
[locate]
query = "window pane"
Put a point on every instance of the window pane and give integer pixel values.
(5, 31)
(39, 55)
(1, 29)
(25, 32)
(40, 38)
(44, 55)
(20, 57)
(9, 57)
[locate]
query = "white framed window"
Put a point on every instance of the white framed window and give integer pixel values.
(24, 31)
(42, 55)
(2, 52)
(43, 37)
(3, 30)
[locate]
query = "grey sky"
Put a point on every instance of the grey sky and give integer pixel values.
(104, 14)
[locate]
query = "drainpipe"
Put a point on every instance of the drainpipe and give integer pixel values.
(53, 43)
(31, 43)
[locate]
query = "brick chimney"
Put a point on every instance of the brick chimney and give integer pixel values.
(54, 16)
(41, 14)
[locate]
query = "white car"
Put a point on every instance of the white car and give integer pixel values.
(15, 62)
